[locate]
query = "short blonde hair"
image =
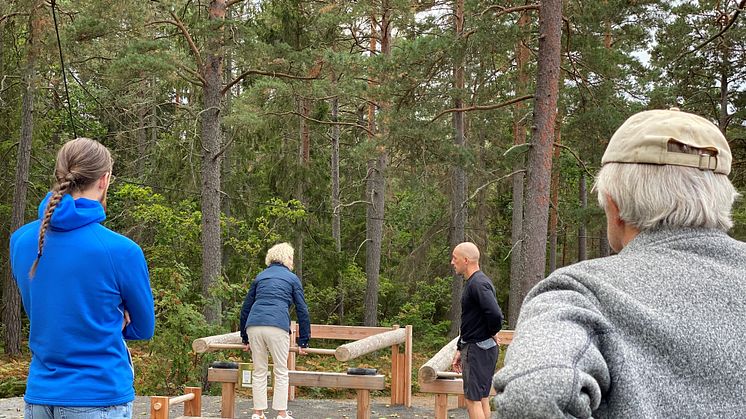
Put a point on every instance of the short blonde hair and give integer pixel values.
(280, 253)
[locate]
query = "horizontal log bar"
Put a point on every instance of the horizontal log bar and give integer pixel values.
(314, 351)
(180, 399)
(367, 345)
(449, 374)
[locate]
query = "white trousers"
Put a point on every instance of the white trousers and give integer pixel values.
(266, 340)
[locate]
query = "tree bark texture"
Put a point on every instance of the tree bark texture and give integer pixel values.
(212, 250)
(582, 229)
(515, 298)
(376, 186)
(458, 172)
(540, 153)
(336, 208)
(554, 208)
(11, 298)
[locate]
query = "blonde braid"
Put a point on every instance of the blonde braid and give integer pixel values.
(57, 192)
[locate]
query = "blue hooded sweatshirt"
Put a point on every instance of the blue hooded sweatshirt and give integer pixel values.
(87, 276)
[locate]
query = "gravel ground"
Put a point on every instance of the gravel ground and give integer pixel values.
(422, 407)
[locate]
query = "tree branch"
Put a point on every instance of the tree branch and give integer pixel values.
(506, 10)
(231, 3)
(483, 107)
(265, 73)
(731, 21)
(176, 22)
(308, 118)
(350, 204)
(479, 189)
(585, 168)
(9, 15)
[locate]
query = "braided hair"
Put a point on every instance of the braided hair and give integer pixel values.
(80, 163)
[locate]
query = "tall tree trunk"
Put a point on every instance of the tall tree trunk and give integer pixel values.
(11, 298)
(336, 219)
(519, 137)
(540, 154)
(212, 249)
(723, 111)
(553, 210)
(376, 187)
(582, 230)
(304, 157)
(458, 172)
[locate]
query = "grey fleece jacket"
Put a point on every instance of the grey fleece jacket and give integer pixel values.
(657, 331)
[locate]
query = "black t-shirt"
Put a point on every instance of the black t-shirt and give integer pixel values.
(481, 316)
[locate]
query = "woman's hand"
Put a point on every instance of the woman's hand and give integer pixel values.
(246, 347)
(302, 351)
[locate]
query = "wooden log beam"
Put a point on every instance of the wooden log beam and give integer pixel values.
(367, 345)
(310, 379)
(202, 345)
(440, 362)
(314, 351)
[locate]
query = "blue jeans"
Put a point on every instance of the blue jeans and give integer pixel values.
(41, 411)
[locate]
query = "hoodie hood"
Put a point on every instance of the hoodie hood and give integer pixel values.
(73, 213)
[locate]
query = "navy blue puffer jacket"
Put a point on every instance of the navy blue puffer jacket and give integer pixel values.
(269, 299)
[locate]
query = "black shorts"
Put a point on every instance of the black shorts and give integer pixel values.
(478, 366)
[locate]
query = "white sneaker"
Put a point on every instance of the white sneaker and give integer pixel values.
(255, 416)
(285, 417)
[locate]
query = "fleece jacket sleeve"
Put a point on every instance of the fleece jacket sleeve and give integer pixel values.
(553, 367)
(137, 295)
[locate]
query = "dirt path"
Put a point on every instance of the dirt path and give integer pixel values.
(422, 407)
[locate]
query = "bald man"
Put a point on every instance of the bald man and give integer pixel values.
(481, 319)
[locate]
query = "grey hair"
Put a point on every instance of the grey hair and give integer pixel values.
(651, 196)
(280, 253)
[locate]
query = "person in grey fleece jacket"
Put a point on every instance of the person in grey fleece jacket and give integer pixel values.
(658, 330)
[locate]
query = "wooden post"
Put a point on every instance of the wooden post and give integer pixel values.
(228, 400)
(441, 406)
(159, 407)
(461, 400)
(193, 407)
(363, 404)
(395, 375)
(407, 368)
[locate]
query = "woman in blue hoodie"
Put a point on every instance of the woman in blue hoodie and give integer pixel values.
(265, 324)
(85, 290)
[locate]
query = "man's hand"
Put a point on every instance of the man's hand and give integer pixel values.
(126, 319)
(497, 339)
(456, 364)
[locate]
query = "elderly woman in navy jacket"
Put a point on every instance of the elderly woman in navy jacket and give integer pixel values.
(265, 325)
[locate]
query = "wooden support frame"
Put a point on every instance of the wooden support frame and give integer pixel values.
(433, 378)
(401, 361)
(192, 400)
(362, 384)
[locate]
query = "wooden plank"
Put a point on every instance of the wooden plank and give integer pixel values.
(324, 331)
(193, 407)
(441, 406)
(310, 379)
(159, 407)
(460, 400)
(446, 386)
(363, 404)
(336, 380)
